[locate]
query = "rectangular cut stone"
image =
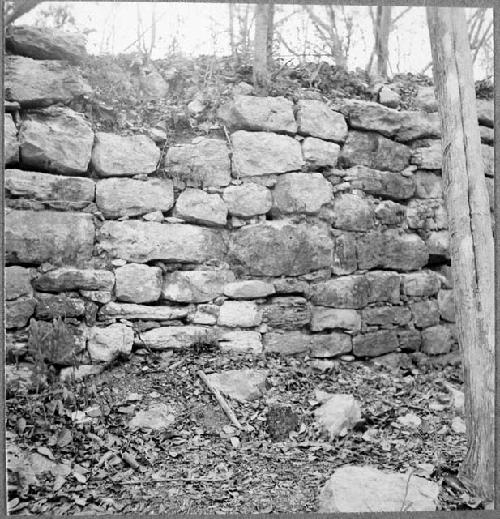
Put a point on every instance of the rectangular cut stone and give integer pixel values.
(288, 343)
(392, 250)
(201, 163)
(409, 340)
(429, 185)
(146, 241)
(425, 313)
(380, 183)
(269, 114)
(421, 284)
(331, 318)
(240, 342)
(261, 153)
(244, 314)
(287, 313)
(196, 286)
(176, 337)
(384, 286)
(17, 282)
(374, 344)
(68, 278)
(319, 153)
(145, 312)
(51, 305)
(446, 305)
(57, 190)
(248, 289)
(342, 292)
(36, 237)
(353, 213)
(374, 151)
(107, 343)
(437, 340)
(18, 312)
(331, 345)
(279, 248)
(137, 283)
(386, 316)
(345, 260)
(317, 119)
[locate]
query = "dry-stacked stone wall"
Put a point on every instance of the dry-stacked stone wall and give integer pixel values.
(313, 229)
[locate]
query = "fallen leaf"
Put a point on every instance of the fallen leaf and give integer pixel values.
(65, 438)
(46, 452)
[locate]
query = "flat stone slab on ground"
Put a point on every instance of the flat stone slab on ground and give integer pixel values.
(240, 384)
(156, 416)
(367, 489)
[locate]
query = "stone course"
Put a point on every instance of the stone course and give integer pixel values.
(311, 230)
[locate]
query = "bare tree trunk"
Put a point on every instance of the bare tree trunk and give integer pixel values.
(471, 238)
(382, 39)
(260, 66)
(270, 31)
(231, 31)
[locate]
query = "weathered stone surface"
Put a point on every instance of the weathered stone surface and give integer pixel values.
(11, 144)
(244, 314)
(205, 314)
(325, 346)
(140, 242)
(391, 250)
(316, 119)
(290, 286)
(388, 97)
(384, 286)
(381, 491)
(240, 342)
(446, 305)
(374, 151)
(105, 344)
(353, 213)
(287, 313)
(488, 153)
(97, 296)
(58, 191)
(420, 284)
(487, 135)
(404, 126)
(373, 344)
(380, 183)
(196, 286)
(430, 156)
(342, 292)
(429, 185)
(409, 340)
(386, 316)
(18, 312)
(144, 312)
(390, 213)
(486, 112)
(269, 114)
(17, 282)
(323, 318)
(281, 421)
(248, 289)
(278, 248)
(427, 214)
(319, 154)
(344, 255)
(54, 305)
(44, 43)
(80, 372)
(201, 163)
(176, 337)
(437, 340)
(426, 99)
(301, 193)
(425, 313)
(438, 243)
(338, 413)
(240, 384)
(124, 155)
(247, 200)
(41, 83)
(157, 417)
(136, 283)
(56, 139)
(34, 237)
(197, 206)
(116, 197)
(261, 153)
(68, 278)
(287, 343)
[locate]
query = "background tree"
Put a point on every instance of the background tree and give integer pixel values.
(262, 45)
(471, 238)
(15, 9)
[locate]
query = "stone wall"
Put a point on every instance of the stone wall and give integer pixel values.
(316, 229)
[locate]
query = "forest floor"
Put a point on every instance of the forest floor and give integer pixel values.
(201, 463)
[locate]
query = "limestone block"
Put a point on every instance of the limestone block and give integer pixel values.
(136, 283)
(316, 119)
(196, 286)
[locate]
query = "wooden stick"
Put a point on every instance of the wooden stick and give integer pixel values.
(221, 400)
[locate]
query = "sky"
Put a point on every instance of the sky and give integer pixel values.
(202, 28)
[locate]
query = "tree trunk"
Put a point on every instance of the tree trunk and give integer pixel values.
(231, 31)
(382, 39)
(270, 32)
(471, 238)
(260, 68)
